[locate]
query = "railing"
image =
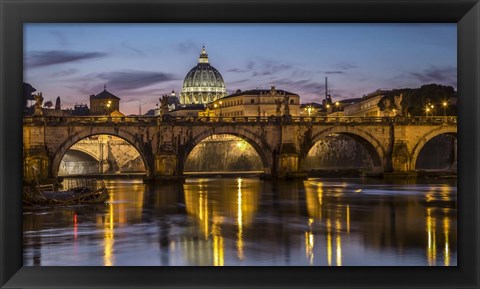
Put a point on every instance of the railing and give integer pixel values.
(135, 120)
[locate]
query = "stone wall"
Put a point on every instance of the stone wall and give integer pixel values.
(338, 152)
(438, 154)
(223, 154)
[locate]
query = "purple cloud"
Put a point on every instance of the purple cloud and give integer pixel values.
(46, 58)
(446, 75)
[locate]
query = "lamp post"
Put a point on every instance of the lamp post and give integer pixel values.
(426, 111)
(444, 104)
(309, 110)
(220, 108)
(432, 106)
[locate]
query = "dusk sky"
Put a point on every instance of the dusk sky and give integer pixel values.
(144, 61)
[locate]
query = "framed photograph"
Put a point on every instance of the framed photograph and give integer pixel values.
(278, 144)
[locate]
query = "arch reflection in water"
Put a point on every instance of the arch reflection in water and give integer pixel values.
(221, 208)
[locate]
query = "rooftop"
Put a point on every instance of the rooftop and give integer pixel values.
(104, 95)
(257, 92)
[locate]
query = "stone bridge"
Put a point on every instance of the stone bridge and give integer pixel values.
(281, 142)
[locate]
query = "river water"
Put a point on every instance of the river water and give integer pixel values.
(247, 221)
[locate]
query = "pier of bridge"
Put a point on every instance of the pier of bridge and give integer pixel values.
(282, 143)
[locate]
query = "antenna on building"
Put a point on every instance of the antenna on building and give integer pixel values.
(140, 103)
(326, 88)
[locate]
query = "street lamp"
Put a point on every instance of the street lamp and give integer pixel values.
(220, 108)
(309, 109)
(444, 104)
(426, 111)
(432, 106)
(394, 112)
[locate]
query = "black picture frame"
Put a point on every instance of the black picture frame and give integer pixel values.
(466, 13)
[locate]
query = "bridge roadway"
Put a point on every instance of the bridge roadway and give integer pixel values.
(281, 142)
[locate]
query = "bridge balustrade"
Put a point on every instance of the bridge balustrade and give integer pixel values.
(242, 119)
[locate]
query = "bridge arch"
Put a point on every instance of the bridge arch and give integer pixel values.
(71, 140)
(87, 152)
(262, 149)
(369, 142)
(426, 138)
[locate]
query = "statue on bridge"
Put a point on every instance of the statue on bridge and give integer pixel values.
(164, 105)
(387, 103)
(278, 102)
(286, 110)
(398, 103)
(38, 104)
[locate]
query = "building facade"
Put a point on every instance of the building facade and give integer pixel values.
(367, 106)
(203, 83)
(104, 103)
(257, 102)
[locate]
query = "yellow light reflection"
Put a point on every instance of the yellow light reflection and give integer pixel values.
(203, 212)
(446, 231)
(348, 219)
(446, 196)
(329, 242)
(314, 199)
(431, 245)
(309, 242)
(108, 237)
(239, 221)
(339, 250)
(210, 209)
(218, 258)
(339, 242)
(75, 227)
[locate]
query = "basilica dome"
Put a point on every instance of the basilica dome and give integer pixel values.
(203, 83)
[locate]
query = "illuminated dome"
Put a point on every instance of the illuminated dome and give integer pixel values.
(203, 83)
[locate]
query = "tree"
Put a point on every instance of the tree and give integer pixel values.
(27, 93)
(58, 106)
(415, 100)
(48, 104)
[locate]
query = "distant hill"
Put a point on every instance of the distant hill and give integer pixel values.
(415, 100)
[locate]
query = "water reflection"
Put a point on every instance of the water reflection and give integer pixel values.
(246, 221)
(234, 205)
